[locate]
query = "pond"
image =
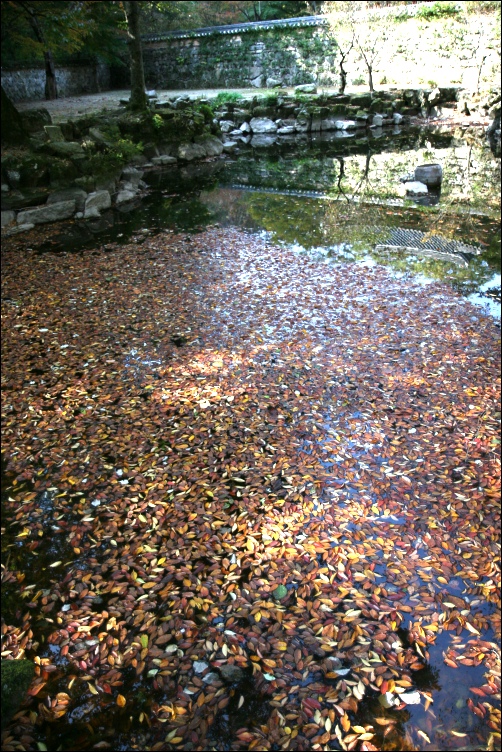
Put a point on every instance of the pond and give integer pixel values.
(338, 200)
(231, 467)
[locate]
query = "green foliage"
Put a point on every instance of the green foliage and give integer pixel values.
(107, 160)
(438, 9)
(16, 679)
(207, 111)
(225, 97)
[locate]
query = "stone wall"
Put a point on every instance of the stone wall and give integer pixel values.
(72, 80)
(258, 58)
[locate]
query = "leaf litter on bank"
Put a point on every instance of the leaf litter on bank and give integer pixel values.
(295, 501)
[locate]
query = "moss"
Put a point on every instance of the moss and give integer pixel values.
(16, 679)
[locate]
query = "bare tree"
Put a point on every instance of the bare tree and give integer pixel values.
(139, 100)
(355, 25)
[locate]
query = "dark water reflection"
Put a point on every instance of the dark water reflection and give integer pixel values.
(335, 199)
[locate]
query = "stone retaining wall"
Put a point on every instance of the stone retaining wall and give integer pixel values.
(72, 80)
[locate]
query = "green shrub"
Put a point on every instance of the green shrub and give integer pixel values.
(438, 9)
(226, 96)
(109, 160)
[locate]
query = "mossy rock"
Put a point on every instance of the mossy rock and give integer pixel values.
(378, 105)
(34, 120)
(361, 100)
(63, 172)
(338, 109)
(16, 679)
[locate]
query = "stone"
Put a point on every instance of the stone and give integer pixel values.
(21, 228)
(226, 126)
(431, 175)
(96, 202)
(273, 83)
(47, 213)
(68, 194)
(164, 160)
(345, 125)
(14, 177)
(132, 175)
(99, 137)
(302, 123)
(361, 100)
(87, 183)
(434, 96)
(5, 188)
(67, 149)
(229, 146)
(377, 121)
(306, 88)
(286, 130)
(54, 133)
(328, 124)
(211, 144)
(257, 82)
(8, 218)
(415, 188)
(245, 128)
(231, 673)
(263, 125)
(16, 679)
(35, 120)
(200, 666)
(188, 152)
(397, 118)
(124, 196)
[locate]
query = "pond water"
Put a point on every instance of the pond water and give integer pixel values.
(335, 200)
(339, 200)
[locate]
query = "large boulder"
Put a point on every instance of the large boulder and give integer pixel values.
(212, 145)
(66, 149)
(430, 174)
(262, 125)
(8, 218)
(68, 194)
(306, 88)
(96, 202)
(35, 120)
(47, 213)
(189, 152)
(132, 175)
(54, 133)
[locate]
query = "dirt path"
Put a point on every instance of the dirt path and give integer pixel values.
(253, 499)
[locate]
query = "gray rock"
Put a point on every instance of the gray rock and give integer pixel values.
(96, 202)
(35, 120)
(54, 133)
(397, 118)
(415, 188)
(47, 213)
(245, 128)
(302, 123)
(434, 96)
(67, 194)
(377, 121)
(227, 125)
(132, 176)
(14, 176)
(21, 228)
(5, 188)
(164, 160)
(286, 130)
(66, 149)
(188, 152)
(431, 174)
(229, 146)
(79, 215)
(273, 83)
(307, 88)
(345, 125)
(231, 673)
(8, 218)
(212, 145)
(124, 196)
(257, 82)
(200, 666)
(99, 137)
(262, 125)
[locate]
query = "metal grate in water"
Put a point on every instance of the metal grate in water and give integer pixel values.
(413, 241)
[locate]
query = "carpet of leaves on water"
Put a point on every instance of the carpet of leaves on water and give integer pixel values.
(249, 494)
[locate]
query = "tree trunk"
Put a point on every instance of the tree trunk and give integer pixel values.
(343, 77)
(13, 133)
(139, 100)
(51, 90)
(370, 79)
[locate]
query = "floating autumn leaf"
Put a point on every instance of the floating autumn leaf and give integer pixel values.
(121, 701)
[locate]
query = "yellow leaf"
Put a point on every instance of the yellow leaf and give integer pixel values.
(257, 616)
(121, 701)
